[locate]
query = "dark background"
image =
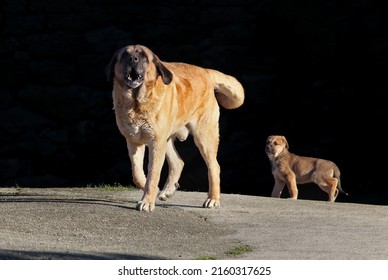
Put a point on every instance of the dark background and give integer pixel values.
(314, 71)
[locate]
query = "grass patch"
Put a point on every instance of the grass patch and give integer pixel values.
(236, 251)
(205, 258)
(114, 187)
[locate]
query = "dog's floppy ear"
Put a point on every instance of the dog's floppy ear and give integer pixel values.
(110, 68)
(285, 142)
(162, 70)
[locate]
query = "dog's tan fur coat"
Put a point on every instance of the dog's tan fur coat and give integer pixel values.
(156, 102)
(290, 169)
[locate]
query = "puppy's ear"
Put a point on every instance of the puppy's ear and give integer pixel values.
(162, 70)
(110, 68)
(285, 142)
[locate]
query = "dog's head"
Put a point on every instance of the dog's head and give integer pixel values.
(133, 65)
(275, 145)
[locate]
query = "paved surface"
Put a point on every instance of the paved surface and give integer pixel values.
(93, 223)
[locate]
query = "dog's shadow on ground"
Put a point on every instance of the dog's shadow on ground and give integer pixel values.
(40, 198)
(168, 205)
(52, 255)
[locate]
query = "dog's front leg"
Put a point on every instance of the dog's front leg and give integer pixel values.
(292, 187)
(157, 153)
(136, 155)
(278, 188)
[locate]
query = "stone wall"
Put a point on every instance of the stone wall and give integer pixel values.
(312, 70)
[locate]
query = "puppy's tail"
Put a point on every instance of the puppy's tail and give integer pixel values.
(338, 176)
(340, 188)
(229, 91)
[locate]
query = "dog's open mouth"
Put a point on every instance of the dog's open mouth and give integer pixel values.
(133, 79)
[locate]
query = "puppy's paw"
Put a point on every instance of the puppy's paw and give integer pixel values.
(145, 206)
(168, 192)
(211, 203)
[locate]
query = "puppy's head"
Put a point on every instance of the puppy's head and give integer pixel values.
(275, 145)
(133, 65)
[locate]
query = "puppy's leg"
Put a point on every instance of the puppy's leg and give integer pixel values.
(157, 154)
(278, 188)
(136, 155)
(336, 194)
(175, 164)
(333, 191)
(329, 185)
(206, 139)
(291, 184)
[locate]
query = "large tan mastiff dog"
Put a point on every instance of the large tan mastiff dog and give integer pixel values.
(290, 169)
(156, 102)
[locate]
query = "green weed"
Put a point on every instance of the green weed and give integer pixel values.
(239, 250)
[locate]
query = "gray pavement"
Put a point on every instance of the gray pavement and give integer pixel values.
(95, 223)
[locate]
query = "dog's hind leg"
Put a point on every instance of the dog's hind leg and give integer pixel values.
(333, 191)
(329, 185)
(175, 164)
(206, 138)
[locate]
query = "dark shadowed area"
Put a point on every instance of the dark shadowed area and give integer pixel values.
(314, 71)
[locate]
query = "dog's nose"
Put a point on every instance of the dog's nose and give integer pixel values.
(134, 58)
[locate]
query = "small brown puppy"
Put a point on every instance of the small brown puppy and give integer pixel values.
(290, 169)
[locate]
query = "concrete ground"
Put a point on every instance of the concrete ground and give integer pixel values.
(95, 223)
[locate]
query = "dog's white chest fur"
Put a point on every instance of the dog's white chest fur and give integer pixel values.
(130, 122)
(131, 127)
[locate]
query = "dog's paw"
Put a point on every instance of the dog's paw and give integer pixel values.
(164, 195)
(168, 192)
(145, 206)
(211, 203)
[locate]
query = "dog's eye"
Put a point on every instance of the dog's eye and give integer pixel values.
(141, 53)
(275, 143)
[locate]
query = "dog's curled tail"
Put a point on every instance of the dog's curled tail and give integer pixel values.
(228, 90)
